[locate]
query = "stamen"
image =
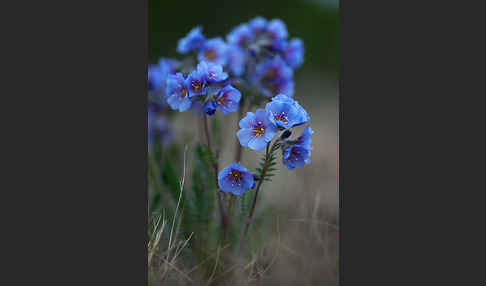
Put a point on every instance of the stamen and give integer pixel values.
(259, 130)
(221, 100)
(196, 86)
(281, 117)
(210, 55)
(236, 175)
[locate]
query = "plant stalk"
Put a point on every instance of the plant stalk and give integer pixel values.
(252, 210)
(239, 149)
(224, 220)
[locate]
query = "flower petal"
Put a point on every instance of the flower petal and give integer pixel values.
(244, 136)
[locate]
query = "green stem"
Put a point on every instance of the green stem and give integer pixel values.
(252, 210)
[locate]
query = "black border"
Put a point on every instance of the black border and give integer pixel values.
(83, 94)
(80, 214)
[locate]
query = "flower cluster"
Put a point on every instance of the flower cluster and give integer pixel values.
(157, 74)
(257, 55)
(259, 49)
(257, 58)
(259, 129)
(159, 128)
(297, 152)
(206, 84)
(282, 113)
(209, 50)
(257, 52)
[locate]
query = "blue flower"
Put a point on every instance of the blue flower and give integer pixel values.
(277, 33)
(157, 74)
(193, 41)
(282, 103)
(298, 153)
(212, 72)
(213, 50)
(295, 157)
(277, 30)
(274, 68)
(305, 138)
(155, 78)
(294, 53)
(281, 85)
(236, 60)
(286, 112)
(168, 66)
(228, 99)
(258, 25)
(256, 130)
(209, 107)
(235, 179)
(282, 114)
(176, 92)
(274, 76)
(196, 83)
(240, 36)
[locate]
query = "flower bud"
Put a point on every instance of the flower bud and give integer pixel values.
(286, 134)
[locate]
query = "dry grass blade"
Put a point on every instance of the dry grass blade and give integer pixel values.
(176, 269)
(183, 245)
(215, 266)
(274, 258)
(179, 200)
(156, 235)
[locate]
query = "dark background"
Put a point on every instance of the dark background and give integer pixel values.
(314, 21)
(75, 220)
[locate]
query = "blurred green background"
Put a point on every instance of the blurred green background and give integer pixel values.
(314, 21)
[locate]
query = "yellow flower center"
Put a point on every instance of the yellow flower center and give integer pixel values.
(236, 175)
(259, 131)
(221, 100)
(210, 55)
